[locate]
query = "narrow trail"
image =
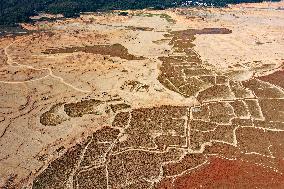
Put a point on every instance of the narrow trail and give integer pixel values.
(10, 62)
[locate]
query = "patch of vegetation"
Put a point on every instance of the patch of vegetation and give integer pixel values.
(168, 18)
(164, 16)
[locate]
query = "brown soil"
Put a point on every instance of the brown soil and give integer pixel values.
(276, 78)
(222, 173)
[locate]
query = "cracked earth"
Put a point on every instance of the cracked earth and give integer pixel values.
(173, 99)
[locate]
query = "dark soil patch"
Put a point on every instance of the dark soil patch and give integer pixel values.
(115, 50)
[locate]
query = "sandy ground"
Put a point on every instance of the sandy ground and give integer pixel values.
(32, 82)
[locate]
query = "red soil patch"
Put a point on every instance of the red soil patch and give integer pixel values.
(277, 78)
(222, 173)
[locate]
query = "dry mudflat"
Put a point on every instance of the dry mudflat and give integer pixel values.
(179, 98)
